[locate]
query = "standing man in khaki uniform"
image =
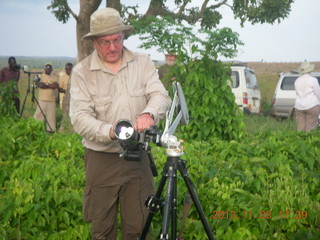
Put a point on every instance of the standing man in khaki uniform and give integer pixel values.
(47, 99)
(63, 82)
(114, 83)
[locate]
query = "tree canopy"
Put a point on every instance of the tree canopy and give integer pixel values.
(206, 13)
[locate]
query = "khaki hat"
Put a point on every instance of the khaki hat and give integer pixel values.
(106, 21)
(306, 67)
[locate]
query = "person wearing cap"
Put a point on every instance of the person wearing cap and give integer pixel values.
(165, 69)
(12, 74)
(111, 84)
(307, 104)
(46, 110)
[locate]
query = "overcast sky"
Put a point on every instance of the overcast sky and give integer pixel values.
(29, 29)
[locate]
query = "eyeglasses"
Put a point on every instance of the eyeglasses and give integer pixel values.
(107, 43)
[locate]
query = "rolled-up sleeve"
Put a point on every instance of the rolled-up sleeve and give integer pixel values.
(82, 113)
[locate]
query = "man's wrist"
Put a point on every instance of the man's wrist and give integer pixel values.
(150, 114)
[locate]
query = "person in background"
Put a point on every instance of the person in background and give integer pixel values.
(47, 99)
(12, 73)
(307, 104)
(111, 84)
(164, 70)
(63, 82)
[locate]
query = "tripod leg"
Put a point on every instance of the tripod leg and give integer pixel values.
(168, 203)
(184, 172)
(24, 103)
(174, 209)
(153, 206)
(45, 117)
(25, 98)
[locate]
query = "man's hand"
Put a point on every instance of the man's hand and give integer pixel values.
(54, 85)
(111, 131)
(143, 121)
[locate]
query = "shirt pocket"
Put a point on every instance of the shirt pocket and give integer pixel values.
(138, 101)
(101, 107)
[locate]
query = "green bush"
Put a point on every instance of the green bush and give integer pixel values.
(211, 103)
(7, 93)
(42, 178)
(270, 181)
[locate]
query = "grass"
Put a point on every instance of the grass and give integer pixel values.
(255, 124)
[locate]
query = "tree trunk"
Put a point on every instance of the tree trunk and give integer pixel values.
(114, 4)
(87, 7)
(85, 48)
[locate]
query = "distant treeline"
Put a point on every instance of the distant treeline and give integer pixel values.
(38, 62)
(57, 62)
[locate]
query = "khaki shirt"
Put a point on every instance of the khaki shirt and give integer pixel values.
(100, 97)
(48, 94)
(63, 81)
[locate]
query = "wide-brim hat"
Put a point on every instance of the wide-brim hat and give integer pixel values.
(306, 67)
(106, 21)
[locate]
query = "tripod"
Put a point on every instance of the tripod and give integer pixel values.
(154, 203)
(33, 98)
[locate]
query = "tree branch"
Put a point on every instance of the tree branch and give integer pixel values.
(182, 8)
(75, 16)
(157, 8)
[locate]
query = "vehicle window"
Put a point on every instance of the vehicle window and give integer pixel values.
(251, 79)
(318, 80)
(234, 83)
(288, 83)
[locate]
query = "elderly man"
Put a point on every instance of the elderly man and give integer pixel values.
(114, 83)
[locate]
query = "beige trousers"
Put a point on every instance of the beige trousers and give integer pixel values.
(61, 96)
(49, 110)
(307, 119)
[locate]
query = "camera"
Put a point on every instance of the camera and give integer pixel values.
(36, 80)
(23, 68)
(128, 138)
(132, 141)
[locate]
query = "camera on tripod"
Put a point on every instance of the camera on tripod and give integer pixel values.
(36, 80)
(132, 141)
(23, 68)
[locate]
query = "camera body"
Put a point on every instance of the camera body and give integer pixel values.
(23, 68)
(36, 80)
(132, 141)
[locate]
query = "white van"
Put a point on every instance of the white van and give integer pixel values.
(245, 88)
(285, 95)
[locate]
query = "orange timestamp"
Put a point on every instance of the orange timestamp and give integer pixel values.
(259, 214)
